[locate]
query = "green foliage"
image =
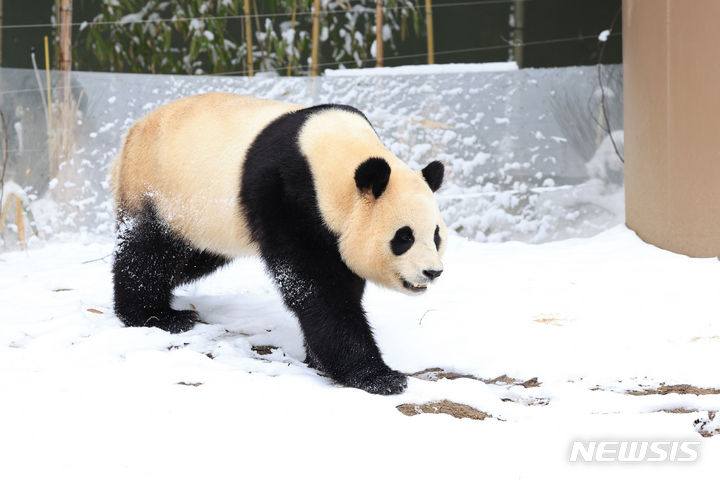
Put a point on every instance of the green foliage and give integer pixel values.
(351, 29)
(208, 36)
(154, 37)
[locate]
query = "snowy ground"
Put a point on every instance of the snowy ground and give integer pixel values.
(83, 397)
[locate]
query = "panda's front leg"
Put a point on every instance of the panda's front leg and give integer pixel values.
(327, 299)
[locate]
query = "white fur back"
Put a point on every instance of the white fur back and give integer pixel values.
(187, 156)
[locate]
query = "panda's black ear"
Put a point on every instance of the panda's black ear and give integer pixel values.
(433, 174)
(374, 174)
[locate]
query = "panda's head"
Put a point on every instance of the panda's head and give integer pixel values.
(396, 236)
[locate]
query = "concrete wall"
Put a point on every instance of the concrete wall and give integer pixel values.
(671, 54)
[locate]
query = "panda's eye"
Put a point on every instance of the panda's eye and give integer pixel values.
(437, 237)
(402, 241)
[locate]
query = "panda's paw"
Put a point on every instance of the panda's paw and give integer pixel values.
(174, 321)
(382, 381)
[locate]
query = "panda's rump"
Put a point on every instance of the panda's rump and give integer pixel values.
(186, 159)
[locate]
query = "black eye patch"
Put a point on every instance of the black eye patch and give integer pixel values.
(402, 241)
(437, 237)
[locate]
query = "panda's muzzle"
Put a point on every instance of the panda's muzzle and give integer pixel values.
(421, 287)
(414, 287)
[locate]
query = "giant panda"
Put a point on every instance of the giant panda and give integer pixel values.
(312, 190)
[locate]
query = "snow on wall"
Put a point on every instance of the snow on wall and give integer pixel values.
(422, 69)
(526, 158)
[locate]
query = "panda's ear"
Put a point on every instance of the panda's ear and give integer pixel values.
(374, 174)
(433, 174)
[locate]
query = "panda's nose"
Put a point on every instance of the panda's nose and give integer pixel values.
(432, 274)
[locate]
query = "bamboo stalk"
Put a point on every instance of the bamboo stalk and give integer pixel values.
(379, 33)
(430, 36)
(12, 198)
(5, 209)
(39, 82)
(20, 222)
(248, 38)
(47, 80)
(315, 38)
(600, 120)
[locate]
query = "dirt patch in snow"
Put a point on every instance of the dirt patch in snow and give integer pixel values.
(556, 322)
(263, 349)
(528, 402)
(505, 380)
(706, 427)
(682, 389)
(457, 410)
(435, 374)
(677, 410)
(190, 384)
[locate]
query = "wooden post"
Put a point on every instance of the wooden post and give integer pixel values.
(1, 35)
(379, 33)
(1, 24)
(65, 50)
(248, 38)
(430, 36)
(519, 31)
(63, 136)
(315, 38)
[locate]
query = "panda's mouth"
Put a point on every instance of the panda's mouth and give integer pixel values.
(414, 287)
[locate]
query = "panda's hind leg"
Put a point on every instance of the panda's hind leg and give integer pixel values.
(150, 261)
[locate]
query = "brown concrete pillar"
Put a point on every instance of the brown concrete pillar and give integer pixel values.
(671, 57)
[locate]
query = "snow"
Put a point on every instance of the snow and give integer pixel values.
(17, 126)
(12, 188)
(132, 18)
(425, 69)
(591, 318)
(196, 25)
(605, 164)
